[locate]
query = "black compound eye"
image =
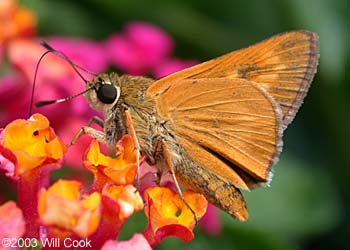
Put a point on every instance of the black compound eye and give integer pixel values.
(107, 93)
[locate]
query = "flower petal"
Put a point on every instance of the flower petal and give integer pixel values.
(62, 206)
(127, 197)
(33, 143)
(139, 48)
(86, 53)
(16, 21)
(12, 224)
(137, 241)
(120, 170)
(169, 216)
(172, 65)
(210, 222)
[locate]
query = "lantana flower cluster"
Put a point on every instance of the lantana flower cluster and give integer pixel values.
(59, 211)
(31, 150)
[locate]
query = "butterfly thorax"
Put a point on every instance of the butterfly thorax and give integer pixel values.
(142, 111)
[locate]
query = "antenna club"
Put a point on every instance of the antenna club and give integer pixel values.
(46, 46)
(44, 103)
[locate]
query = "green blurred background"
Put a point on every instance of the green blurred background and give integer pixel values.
(308, 203)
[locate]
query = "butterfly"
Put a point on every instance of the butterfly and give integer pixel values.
(216, 127)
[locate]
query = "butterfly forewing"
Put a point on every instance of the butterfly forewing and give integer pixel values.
(283, 65)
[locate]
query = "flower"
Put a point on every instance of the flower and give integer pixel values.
(12, 93)
(118, 204)
(88, 54)
(31, 143)
(168, 215)
(7, 165)
(127, 197)
(62, 206)
(172, 65)
(30, 149)
(139, 48)
(210, 223)
(12, 224)
(33, 149)
(137, 241)
(15, 21)
(120, 170)
(55, 79)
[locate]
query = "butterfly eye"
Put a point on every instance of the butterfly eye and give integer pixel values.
(107, 93)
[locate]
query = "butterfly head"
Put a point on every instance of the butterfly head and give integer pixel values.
(104, 91)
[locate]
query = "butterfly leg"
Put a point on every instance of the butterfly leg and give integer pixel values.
(170, 164)
(132, 133)
(87, 129)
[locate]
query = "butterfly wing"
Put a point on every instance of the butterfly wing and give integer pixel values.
(284, 65)
(228, 126)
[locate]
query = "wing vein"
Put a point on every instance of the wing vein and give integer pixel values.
(226, 142)
(218, 103)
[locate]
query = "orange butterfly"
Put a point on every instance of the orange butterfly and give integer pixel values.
(217, 126)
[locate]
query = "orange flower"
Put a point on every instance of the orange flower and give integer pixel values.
(169, 216)
(120, 170)
(31, 143)
(128, 199)
(118, 203)
(61, 206)
(15, 21)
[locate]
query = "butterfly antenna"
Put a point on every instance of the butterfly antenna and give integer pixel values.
(45, 103)
(66, 58)
(63, 56)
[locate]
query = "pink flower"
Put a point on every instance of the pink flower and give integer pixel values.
(86, 53)
(210, 223)
(13, 92)
(172, 65)
(139, 48)
(12, 224)
(138, 242)
(5, 164)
